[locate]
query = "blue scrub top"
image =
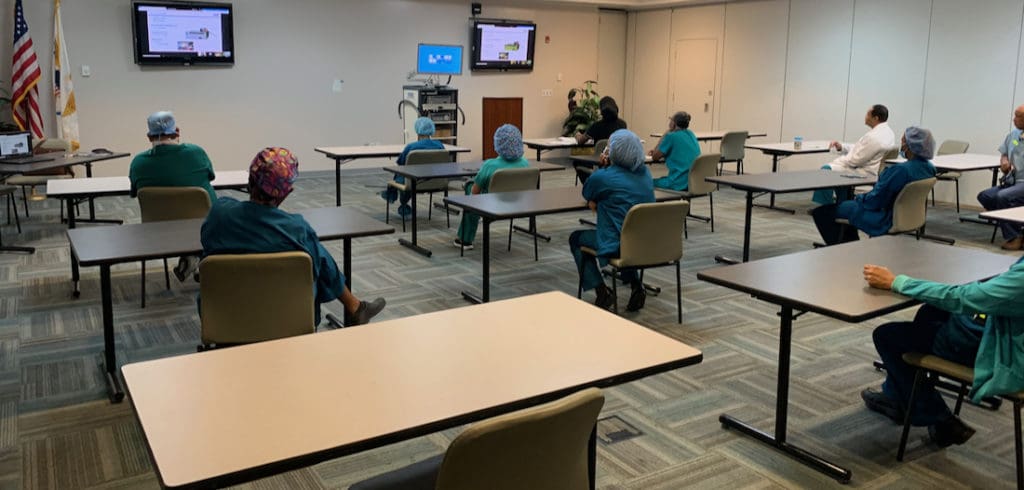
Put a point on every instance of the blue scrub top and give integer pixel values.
(681, 149)
(242, 227)
(616, 190)
(872, 211)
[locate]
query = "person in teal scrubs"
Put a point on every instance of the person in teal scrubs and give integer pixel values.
(425, 128)
(508, 142)
(622, 182)
(260, 226)
(980, 324)
(679, 148)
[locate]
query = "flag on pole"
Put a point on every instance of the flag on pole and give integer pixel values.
(63, 90)
(25, 76)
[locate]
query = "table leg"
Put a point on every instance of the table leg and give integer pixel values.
(778, 441)
(337, 182)
(109, 356)
(413, 244)
(592, 458)
(12, 248)
(486, 265)
(75, 274)
(721, 259)
(771, 205)
(532, 231)
(346, 268)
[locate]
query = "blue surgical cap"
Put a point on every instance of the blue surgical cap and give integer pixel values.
(424, 126)
(508, 142)
(161, 124)
(626, 150)
(920, 142)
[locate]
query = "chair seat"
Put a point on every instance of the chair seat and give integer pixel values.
(34, 179)
(939, 365)
(948, 176)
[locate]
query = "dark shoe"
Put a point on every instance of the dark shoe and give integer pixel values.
(366, 311)
(877, 401)
(950, 431)
(405, 210)
(465, 246)
(637, 298)
(186, 267)
(605, 297)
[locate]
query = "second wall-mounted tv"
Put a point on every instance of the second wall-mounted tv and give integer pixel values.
(503, 45)
(182, 33)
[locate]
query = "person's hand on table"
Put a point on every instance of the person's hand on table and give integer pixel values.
(835, 145)
(878, 277)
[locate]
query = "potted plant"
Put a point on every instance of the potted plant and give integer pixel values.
(583, 109)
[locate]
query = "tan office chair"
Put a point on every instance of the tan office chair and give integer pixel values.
(515, 180)
(933, 366)
(33, 180)
(430, 186)
(703, 166)
(951, 147)
(732, 150)
(540, 448)
(650, 238)
(909, 209)
(255, 297)
(166, 204)
(583, 171)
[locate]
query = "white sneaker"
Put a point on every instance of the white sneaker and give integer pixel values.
(465, 246)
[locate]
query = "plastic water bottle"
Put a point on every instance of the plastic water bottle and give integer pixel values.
(798, 142)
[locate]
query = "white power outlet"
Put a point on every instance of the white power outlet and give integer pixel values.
(86, 71)
(545, 92)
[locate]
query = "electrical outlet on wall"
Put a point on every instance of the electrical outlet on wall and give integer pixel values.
(545, 92)
(86, 71)
(337, 85)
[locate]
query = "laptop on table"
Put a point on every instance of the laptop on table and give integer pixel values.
(16, 148)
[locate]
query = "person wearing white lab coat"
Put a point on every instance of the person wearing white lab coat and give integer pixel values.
(863, 157)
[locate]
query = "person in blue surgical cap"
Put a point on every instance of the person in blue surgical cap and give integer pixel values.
(622, 182)
(424, 129)
(871, 212)
(508, 142)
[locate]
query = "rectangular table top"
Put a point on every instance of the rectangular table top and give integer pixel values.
(375, 151)
(555, 143)
(786, 148)
(801, 180)
(595, 159)
(113, 186)
(301, 400)
(505, 205)
(717, 134)
(59, 161)
(453, 170)
(1009, 214)
(960, 162)
(830, 280)
(146, 241)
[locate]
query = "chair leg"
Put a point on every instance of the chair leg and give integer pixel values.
(430, 205)
(995, 228)
(711, 211)
(447, 215)
(686, 229)
(387, 211)
(960, 399)
(679, 294)
(739, 166)
(403, 219)
(957, 183)
(933, 197)
(510, 222)
(906, 417)
(167, 275)
(24, 200)
(615, 293)
(533, 227)
(14, 211)
(142, 286)
(1018, 444)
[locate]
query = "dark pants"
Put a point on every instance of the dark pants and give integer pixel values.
(832, 232)
(931, 332)
(583, 171)
(1002, 198)
(587, 265)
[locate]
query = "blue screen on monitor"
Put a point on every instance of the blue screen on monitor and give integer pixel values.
(439, 59)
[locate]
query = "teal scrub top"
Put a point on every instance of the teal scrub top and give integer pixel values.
(483, 176)
(173, 165)
(244, 227)
(681, 149)
(616, 190)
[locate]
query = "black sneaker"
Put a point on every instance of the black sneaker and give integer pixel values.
(366, 311)
(950, 431)
(605, 297)
(465, 246)
(877, 401)
(637, 298)
(186, 267)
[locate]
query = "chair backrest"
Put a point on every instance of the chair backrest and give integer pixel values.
(170, 203)
(599, 146)
(540, 448)
(256, 297)
(419, 157)
(53, 145)
(732, 146)
(515, 179)
(950, 147)
(909, 210)
(703, 166)
(652, 233)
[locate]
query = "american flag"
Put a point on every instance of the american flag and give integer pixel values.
(25, 77)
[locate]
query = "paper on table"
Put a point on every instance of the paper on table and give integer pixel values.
(566, 140)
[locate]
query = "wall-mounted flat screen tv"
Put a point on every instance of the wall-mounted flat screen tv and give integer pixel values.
(503, 45)
(183, 33)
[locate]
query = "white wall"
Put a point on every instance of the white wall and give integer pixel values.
(289, 52)
(813, 67)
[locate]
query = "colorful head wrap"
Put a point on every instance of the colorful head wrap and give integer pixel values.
(508, 142)
(272, 173)
(424, 126)
(626, 150)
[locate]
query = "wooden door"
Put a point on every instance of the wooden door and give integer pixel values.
(693, 81)
(498, 111)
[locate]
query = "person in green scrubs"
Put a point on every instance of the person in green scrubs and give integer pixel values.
(679, 148)
(508, 142)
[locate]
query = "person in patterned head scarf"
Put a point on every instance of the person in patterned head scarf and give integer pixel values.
(508, 143)
(260, 226)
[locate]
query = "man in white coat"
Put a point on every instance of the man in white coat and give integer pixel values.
(865, 156)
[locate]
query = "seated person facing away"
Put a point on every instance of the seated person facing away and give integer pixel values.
(258, 226)
(871, 212)
(611, 191)
(425, 128)
(601, 129)
(865, 156)
(171, 163)
(679, 148)
(1010, 191)
(508, 142)
(980, 324)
